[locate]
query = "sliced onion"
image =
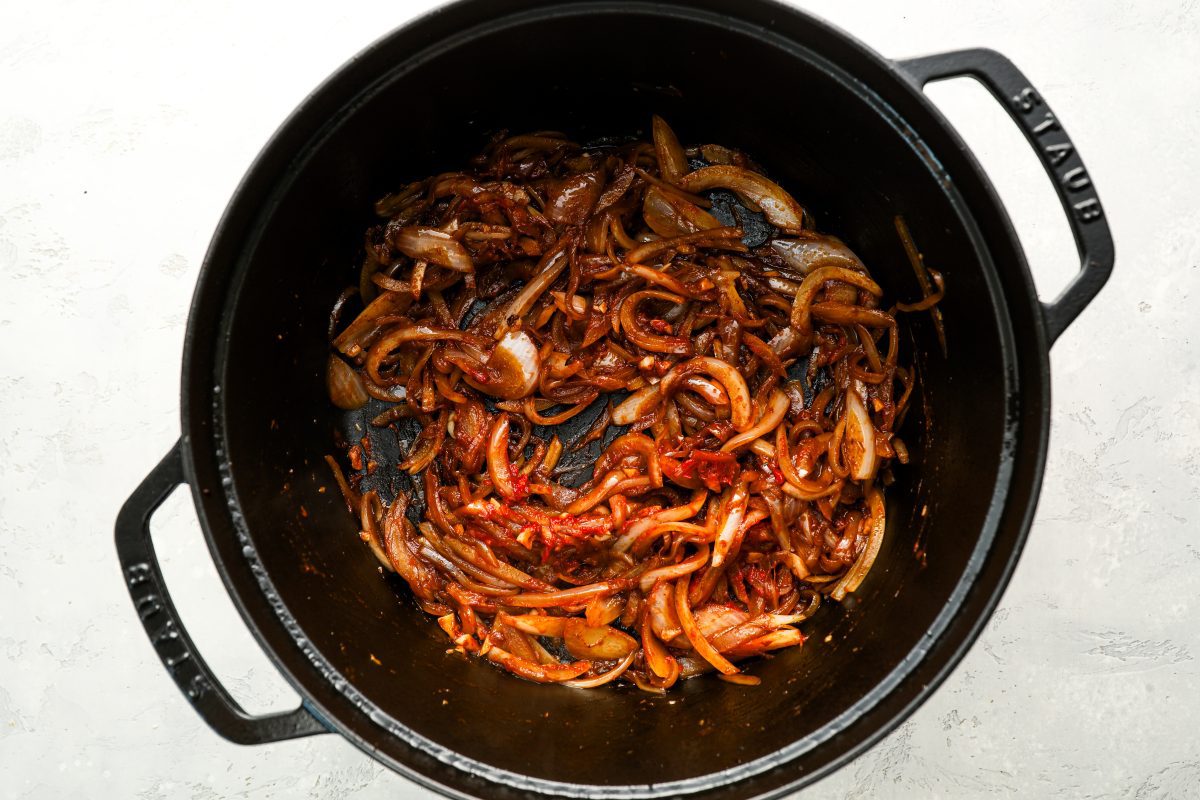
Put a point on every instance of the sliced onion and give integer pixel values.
(775, 640)
(514, 366)
(632, 445)
(660, 662)
(647, 340)
(427, 445)
(533, 671)
(801, 313)
(353, 339)
(529, 409)
(780, 207)
(345, 386)
(805, 255)
(716, 619)
(603, 678)
(579, 305)
(671, 162)
(796, 565)
(728, 238)
(741, 680)
(858, 442)
(672, 571)
(668, 214)
(570, 200)
(349, 494)
(850, 314)
(711, 392)
(432, 245)
(735, 500)
(727, 375)
(399, 541)
(600, 643)
(690, 666)
(635, 529)
(660, 611)
(534, 624)
(485, 562)
(567, 597)
(854, 576)
(369, 513)
(616, 190)
(692, 632)
(636, 406)
(717, 154)
(448, 622)
(615, 482)
(517, 642)
(833, 490)
(603, 610)
(403, 335)
(738, 635)
(499, 467)
(776, 410)
(547, 270)
(482, 584)
(691, 531)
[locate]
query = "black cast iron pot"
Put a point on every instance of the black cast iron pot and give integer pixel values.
(854, 138)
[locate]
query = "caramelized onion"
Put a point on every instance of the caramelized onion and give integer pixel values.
(668, 214)
(660, 662)
(747, 404)
(688, 622)
(721, 238)
(780, 208)
(345, 386)
(434, 246)
(533, 671)
(570, 200)
(513, 368)
(878, 524)
(675, 514)
(773, 414)
(726, 374)
(671, 163)
(605, 677)
(801, 311)
(535, 624)
(600, 643)
(636, 406)
(858, 441)
(660, 611)
(632, 327)
(500, 470)
(805, 255)
(547, 270)
(734, 505)
(567, 597)
(672, 571)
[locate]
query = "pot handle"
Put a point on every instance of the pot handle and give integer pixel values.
(1059, 157)
(146, 586)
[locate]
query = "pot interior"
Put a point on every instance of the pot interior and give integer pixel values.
(592, 73)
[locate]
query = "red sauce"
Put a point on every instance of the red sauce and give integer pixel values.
(776, 474)
(660, 326)
(520, 482)
(556, 531)
(714, 470)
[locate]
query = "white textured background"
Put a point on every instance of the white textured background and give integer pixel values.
(124, 128)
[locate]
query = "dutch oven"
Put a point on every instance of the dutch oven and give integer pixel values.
(851, 135)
